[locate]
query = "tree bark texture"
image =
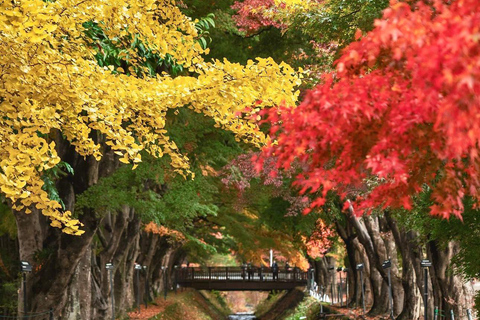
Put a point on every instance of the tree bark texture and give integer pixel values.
(69, 271)
(370, 240)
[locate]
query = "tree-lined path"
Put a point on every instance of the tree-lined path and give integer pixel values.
(140, 135)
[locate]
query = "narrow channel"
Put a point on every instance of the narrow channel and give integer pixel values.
(242, 316)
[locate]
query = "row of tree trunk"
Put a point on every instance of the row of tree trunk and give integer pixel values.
(69, 273)
(72, 279)
(371, 240)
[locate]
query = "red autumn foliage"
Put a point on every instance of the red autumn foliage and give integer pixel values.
(251, 15)
(403, 105)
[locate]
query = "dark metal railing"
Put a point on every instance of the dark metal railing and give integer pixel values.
(190, 274)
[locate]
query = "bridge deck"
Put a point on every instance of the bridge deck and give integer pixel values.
(240, 278)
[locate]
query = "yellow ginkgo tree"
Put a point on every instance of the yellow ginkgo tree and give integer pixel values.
(51, 84)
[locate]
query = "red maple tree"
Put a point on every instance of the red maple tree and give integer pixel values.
(403, 106)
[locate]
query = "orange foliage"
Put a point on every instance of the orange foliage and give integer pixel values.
(319, 241)
(152, 227)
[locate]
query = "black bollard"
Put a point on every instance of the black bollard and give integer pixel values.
(340, 291)
(25, 267)
(322, 288)
(25, 312)
(146, 287)
(165, 284)
(425, 264)
(346, 289)
(137, 270)
(332, 293)
(387, 264)
(360, 268)
(469, 314)
(109, 267)
(175, 268)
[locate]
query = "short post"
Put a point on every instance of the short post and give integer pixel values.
(312, 277)
(360, 268)
(425, 264)
(25, 267)
(332, 293)
(469, 314)
(50, 314)
(452, 315)
(165, 284)
(323, 298)
(387, 264)
(435, 313)
(175, 280)
(137, 270)
(109, 267)
(346, 281)
(340, 291)
(146, 287)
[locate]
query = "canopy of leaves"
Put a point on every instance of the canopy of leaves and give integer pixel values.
(265, 204)
(401, 106)
(52, 86)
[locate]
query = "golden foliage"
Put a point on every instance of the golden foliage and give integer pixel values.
(304, 4)
(50, 82)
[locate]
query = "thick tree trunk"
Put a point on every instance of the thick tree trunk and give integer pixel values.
(403, 241)
(110, 234)
(157, 280)
(350, 239)
(59, 255)
(384, 237)
(70, 275)
(79, 296)
(125, 257)
(376, 273)
(323, 276)
(451, 291)
(55, 277)
(30, 233)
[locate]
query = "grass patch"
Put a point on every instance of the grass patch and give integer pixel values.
(267, 304)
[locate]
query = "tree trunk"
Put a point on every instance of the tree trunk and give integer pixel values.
(30, 234)
(404, 242)
(376, 273)
(349, 238)
(451, 291)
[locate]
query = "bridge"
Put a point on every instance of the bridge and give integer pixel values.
(241, 278)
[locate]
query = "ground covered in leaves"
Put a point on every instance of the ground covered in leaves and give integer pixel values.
(309, 309)
(187, 304)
